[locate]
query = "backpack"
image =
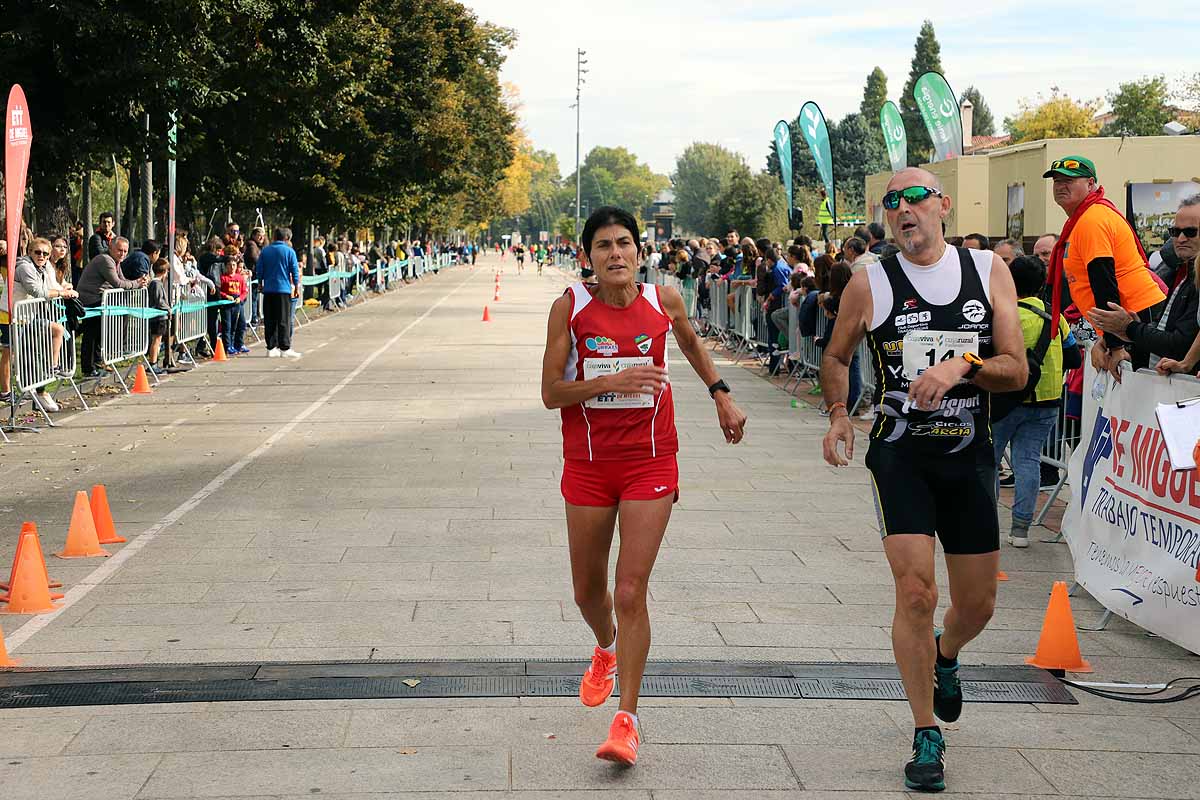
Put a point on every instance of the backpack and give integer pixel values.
(1004, 403)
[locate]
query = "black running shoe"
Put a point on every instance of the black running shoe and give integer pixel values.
(926, 770)
(947, 690)
(1007, 480)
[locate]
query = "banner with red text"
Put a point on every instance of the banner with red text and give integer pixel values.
(17, 138)
(1133, 523)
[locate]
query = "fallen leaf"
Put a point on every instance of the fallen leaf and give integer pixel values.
(407, 752)
(411, 682)
(549, 736)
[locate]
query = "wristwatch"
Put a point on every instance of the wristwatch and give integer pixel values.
(719, 386)
(976, 364)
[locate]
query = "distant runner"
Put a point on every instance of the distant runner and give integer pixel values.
(942, 326)
(605, 367)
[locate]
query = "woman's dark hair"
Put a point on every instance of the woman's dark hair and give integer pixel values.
(808, 284)
(801, 254)
(749, 256)
(1029, 275)
(821, 266)
(762, 245)
(608, 215)
(839, 276)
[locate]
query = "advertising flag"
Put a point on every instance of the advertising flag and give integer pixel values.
(940, 112)
(783, 149)
(18, 136)
(816, 134)
(893, 135)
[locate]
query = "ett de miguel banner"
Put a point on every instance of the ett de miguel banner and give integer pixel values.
(941, 115)
(17, 138)
(783, 148)
(1133, 523)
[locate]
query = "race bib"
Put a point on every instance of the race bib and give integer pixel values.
(925, 349)
(599, 367)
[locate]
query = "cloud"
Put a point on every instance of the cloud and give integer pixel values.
(666, 73)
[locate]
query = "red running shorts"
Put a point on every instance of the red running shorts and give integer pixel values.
(607, 483)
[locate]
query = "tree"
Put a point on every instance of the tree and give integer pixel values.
(874, 96)
(1058, 117)
(751, 204)
(1139, 108)
(858, 151)
(702, 172)
(1189, 93)
(927, 57)
(614, 176)
(982, 123)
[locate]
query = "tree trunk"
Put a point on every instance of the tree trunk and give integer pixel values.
(85, 197)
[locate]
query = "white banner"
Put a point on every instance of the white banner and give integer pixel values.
(1133, 523)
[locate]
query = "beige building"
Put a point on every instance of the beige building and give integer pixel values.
(982, 186)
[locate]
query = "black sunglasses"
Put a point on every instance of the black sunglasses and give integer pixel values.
(41, 252)
(912, 195)
(1190, 233)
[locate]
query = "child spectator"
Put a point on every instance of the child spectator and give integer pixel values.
(157, 290)
(233, 288)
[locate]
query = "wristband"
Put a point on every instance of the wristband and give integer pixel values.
(836, 406)
(719, 386)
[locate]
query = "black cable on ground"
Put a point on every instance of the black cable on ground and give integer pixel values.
(1184, 693)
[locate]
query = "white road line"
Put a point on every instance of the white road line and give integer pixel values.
(175, 424)
(110, 566)
(236, 391)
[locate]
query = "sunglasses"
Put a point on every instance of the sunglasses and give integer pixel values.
(1188, 233)
(1066, 163)
(912, 195)
(47, 252)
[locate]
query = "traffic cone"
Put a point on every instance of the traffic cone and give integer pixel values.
(486, 316)
(140, 383)
(1001, 575)
(5, 660)
(29, 535)
(29, 591)
(496, 296)
(81, 537)
(106, 532)
(1058, 647)
(219, 352)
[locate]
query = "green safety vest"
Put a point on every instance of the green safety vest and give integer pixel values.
(823, 215)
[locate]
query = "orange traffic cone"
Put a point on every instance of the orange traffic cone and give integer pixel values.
(1058, 647)
(496, 296)
(5, 660)
(81, 537)
(219, 352)
(106, 532)
(29, 535)
(140, 384)
(29, 591)
(1001, 575)
(486, 316)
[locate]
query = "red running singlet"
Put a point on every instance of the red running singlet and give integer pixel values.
(605, 339)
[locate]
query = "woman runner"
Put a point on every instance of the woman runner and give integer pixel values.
(606, 368)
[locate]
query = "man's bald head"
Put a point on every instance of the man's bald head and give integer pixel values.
(914, 176)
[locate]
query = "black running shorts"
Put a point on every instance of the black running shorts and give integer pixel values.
(953, 496)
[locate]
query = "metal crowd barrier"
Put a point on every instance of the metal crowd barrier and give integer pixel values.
(33, 353)
(191, 323)
(249, 307)
(125, 333)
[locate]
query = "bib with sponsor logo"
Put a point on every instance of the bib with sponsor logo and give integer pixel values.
(918, 335)
(600, 367)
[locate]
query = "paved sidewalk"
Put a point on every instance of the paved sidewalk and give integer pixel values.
(394, 494)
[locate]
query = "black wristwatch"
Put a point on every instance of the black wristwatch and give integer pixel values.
(719, 386)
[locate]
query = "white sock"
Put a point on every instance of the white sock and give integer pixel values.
(631, 716)
(612, 648)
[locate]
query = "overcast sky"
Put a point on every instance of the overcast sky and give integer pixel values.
(665, 73)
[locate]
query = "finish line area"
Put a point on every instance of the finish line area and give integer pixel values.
(349, 575)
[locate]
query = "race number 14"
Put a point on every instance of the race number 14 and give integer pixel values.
(925, 349)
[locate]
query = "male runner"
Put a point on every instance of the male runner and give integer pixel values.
(605, 367)
(943, 330)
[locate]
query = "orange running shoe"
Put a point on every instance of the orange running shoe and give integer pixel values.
(622, 744)
(597, 683)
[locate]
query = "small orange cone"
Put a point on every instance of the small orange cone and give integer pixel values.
(81, 537)
(5, 659)
(1000, 576)
(106, 532)
(1058, 647)
(29, 592)
(140, 384)
(486, 316)
(219, 352)
(496, 296)
(29, 534)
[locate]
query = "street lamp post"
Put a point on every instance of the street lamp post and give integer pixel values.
(579, 81)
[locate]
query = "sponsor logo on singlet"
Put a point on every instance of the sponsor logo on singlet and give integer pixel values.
(601, 344)
(913, 319)
(974, 311)
(643, 343)
(910, 304)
